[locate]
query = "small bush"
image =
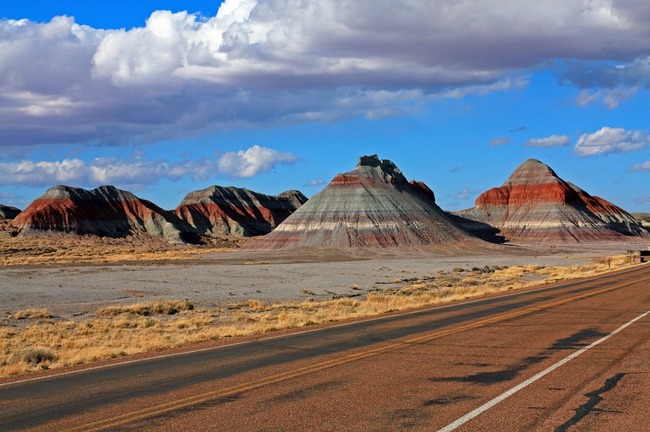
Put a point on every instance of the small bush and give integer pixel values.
(36, 355)
(150, 322)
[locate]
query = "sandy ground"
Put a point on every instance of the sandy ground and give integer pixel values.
(230, 277)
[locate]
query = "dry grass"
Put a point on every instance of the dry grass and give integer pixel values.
(64, 249)
(124, 330)
(32, 313)
(160, 307)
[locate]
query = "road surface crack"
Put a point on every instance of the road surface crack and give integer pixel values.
(594, 399)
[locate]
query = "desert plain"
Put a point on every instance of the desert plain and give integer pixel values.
(70, 300)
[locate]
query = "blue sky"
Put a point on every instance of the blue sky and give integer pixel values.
(165, 97)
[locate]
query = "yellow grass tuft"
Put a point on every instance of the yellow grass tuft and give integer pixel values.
(32, 313)
(160, 307)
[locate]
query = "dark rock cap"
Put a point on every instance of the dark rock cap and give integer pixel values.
(8, 212)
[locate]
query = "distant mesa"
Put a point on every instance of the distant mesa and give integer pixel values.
(535, 205)
(235, 211)
(371, 206)
(8, 212)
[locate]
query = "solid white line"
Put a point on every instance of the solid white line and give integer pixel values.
(469, 416)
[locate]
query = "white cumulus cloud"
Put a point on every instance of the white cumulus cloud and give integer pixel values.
(645, 166)
(253, 161)
(139, 171)
(43, 172)
(264, 62)
(551, 141)
(611, 98)
(611, 140)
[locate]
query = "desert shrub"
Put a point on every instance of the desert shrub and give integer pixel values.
(150, 322)
(35, 355)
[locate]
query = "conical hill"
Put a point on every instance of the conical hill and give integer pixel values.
(371, 206)
(536, 205)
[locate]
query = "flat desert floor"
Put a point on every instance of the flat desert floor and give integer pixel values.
(219, 278)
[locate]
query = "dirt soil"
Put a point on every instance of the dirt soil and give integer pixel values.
(212, 277)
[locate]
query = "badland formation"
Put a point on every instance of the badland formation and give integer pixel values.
(374, 205)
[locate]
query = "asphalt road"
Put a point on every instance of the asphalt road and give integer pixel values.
(418, 371)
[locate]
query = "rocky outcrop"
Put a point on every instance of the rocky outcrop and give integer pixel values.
(423, 189)
(8, 212)
(371, 206)
(105, 211)
(235, 211)
(535, 205)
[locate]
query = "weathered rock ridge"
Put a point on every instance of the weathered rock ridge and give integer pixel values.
(105, 211)
(535, 205)
(235, 211)
(213, 213)
(8, 212)
(371, 206)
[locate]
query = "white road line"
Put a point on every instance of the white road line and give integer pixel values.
(478, 411)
